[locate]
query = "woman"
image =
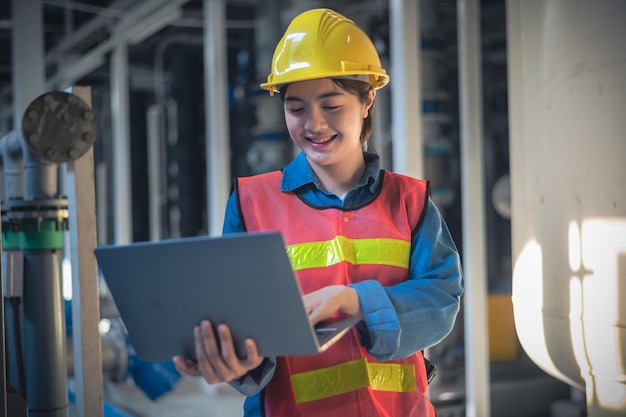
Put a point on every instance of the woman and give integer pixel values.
(363, 241)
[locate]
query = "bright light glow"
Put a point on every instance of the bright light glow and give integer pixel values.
(597, 288)
(611, 394)
(104, 326)
(574, 247)
(296, 66)
(576, 299)
(576, 320)
(291, 41)
(603, 246)
(527, 300)
(66, 278)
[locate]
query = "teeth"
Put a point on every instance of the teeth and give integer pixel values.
(321, 140)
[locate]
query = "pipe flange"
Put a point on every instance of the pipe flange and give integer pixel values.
(18, 211)
(59, 127)
(39, 204)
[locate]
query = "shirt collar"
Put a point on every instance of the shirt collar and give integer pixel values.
(298, 173)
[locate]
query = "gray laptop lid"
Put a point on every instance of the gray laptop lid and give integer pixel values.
(163, 289)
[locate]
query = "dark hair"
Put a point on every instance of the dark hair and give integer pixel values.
(358, 88)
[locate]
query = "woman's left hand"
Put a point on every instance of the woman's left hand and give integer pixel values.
(217, 359)
(325, 302)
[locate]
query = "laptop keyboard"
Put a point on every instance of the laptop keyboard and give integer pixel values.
(324, 334)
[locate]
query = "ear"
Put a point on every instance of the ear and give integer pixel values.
(371, 96)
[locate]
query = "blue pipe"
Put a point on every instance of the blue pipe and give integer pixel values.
(155, 379)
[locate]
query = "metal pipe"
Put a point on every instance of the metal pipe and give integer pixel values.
(120, 118)
(13, 166)
(473, 211)
(216, 111)
(42, 306)
(101, 203)
(157, 130)
(3, 362)
(28, 55)
(44, 335)
(40, 178)
(407, 151)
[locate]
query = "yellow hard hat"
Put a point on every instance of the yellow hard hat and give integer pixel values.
(321, 43)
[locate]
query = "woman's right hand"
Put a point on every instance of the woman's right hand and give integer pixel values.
(218, 363)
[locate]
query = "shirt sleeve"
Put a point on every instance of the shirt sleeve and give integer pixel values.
(402, 319)
(255, 380)
(232, 220)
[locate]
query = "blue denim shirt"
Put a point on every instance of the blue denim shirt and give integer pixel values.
(399, 320)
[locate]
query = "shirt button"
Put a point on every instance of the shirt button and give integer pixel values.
(346, 219)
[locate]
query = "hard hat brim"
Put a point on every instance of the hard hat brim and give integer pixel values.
(375, 79)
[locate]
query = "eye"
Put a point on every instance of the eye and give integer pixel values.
(295, 110)
(332, 104)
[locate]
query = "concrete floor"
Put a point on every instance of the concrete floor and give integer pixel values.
(191, 397)
(512, 385)
(518, 389)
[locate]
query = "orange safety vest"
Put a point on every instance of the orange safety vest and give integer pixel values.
(330, 246)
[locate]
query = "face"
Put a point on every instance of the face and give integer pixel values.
(325, 121)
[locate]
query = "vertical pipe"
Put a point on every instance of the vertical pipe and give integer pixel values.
(120, 119)
(380, 139)
(44, 316)
(155, 167)
(13, 188)
(13, 166)
(473, 210)
(101, 202)
(216, 108)
(3, 367)
(406, 116)
(40, 178)
(267, 32)
(28, 55)
(44, 335)
(269, 120)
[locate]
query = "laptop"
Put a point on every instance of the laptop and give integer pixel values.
(163, 289)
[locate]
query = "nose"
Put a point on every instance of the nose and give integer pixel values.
(315, 120)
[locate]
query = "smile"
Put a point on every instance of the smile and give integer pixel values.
(318, 140)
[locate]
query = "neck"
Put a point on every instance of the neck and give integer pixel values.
(340, 178)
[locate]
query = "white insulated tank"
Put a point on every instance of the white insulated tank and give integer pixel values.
(567, 121)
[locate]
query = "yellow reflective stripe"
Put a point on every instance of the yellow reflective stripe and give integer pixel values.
(382, 251)
(351, 376)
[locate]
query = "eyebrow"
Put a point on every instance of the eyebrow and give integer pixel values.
(320, 97)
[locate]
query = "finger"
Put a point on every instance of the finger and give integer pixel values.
(229, 353)
(237, 366)
(214, 352)
(252, 359)
(185, 366)
(315, 316)
(202, 353)
(308, 303)
(251, 348)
